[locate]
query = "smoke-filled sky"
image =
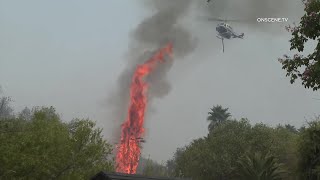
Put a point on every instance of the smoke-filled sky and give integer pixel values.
(73, 54)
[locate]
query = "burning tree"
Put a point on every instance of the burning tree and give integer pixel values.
(132, 129)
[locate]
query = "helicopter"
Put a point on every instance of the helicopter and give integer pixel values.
(225, 31)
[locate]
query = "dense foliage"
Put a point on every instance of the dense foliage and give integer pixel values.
(238, 150)
(153, 168)
(38, 145)
(309, 149)
(306, 68)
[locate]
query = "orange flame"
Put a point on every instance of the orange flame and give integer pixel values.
(128, 154)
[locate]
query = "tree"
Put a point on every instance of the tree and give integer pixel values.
(291, 128)
(193, 161)
(152, 168)
(148, 170)
(25, 114)
(44, 147)
(6, 110)
(306, 68)
(171, 164)
(217, 116)
(90, 153)
(257, 166)
(284, 148)
(216, 156)
(309, 151)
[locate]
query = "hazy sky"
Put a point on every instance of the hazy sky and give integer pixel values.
(68, 54)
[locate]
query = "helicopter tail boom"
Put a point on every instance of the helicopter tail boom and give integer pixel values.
(240, 36)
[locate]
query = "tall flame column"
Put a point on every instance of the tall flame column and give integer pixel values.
(128, 154)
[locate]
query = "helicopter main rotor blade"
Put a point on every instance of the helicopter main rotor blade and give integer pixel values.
(215, 19)
(206, 18)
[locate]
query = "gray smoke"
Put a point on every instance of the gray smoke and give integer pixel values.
(167, 25)
(152, 33)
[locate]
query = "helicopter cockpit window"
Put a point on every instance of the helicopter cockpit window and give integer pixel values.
(222, 28)
(228, 26)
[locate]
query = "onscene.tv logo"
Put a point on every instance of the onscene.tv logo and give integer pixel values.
(272, 20)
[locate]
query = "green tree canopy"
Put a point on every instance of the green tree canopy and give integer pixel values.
(306, 68)
(172, 166)
(6, 110)
(309, 151)
(152, 168)
(216, 156)
(44, 147)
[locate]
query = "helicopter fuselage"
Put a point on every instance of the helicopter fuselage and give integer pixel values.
(226, 32)
(223, 32)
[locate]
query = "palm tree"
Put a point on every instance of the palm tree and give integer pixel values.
(217, 116)
(259, 167)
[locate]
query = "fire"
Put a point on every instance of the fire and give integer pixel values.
(128, 154)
